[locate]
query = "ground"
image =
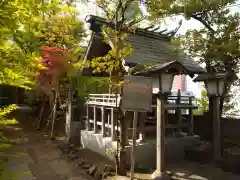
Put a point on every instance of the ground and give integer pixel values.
(37, 157)
(40, 158)
(193, 171)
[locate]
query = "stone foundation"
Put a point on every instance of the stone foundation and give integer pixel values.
(145, 152)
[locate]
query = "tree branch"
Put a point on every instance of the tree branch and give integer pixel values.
(132, 23)
(123, 8)
(200, 19)
(104, 7)
(117, 9)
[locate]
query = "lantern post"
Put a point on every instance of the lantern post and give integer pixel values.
(163, 75)
(215, 84)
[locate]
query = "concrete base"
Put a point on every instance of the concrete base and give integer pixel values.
(157, 175)
(145, 152)
(73, 132)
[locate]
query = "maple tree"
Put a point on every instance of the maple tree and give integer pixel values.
(55, 61)
(29, 25)
(26, 29)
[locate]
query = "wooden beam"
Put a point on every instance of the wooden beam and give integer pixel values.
(142, 117)
(179, 113)
(175, 106)
(113, 124)
(175, 126)
(87, 118)
(160, 136)
(128, 120)
(108, 122)
(95, 119)
(190, 117)
(103, 121)
(106, 125)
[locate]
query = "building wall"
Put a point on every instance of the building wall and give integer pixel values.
(186, 85)
(179, 83)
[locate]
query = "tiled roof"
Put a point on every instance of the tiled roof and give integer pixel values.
(158, 68)
(156, 51)
(150, 48)
(209, 76)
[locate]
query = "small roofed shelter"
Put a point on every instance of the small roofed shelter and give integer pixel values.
(155, 50)
(149, 47)
(166, 72)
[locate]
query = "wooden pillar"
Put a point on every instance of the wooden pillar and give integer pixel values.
(128, 118)
(160, 136)
(160, 173)
(95, 119)
(166, 119)
(87, 118)
(108, 122)
(103, 121)
(142, 117)
(217, 130)
(113, 124)
(190, 117)
(179, 114)
(134, 131)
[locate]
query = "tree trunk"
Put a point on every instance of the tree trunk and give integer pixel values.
(54, 113)
(121, 167)
(122, 153)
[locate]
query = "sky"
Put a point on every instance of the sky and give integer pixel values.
(196, 88)
(91, 8)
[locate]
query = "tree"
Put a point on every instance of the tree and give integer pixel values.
(119, 22)
(202, 103)
(26, 26)
(12, 58)
(217, 43)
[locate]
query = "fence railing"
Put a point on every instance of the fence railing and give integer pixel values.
(111, 100)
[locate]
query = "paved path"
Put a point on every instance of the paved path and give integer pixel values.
(40, 159)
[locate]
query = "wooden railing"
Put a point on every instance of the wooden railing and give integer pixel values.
(111, 100)
(107, 122)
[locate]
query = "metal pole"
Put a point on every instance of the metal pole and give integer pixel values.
(135, 118)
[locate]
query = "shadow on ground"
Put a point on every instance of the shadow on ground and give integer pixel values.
(44, 160)
(39, 157)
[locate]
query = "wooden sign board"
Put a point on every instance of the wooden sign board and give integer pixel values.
(137, 93)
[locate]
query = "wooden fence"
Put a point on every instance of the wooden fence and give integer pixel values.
(203, 126)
